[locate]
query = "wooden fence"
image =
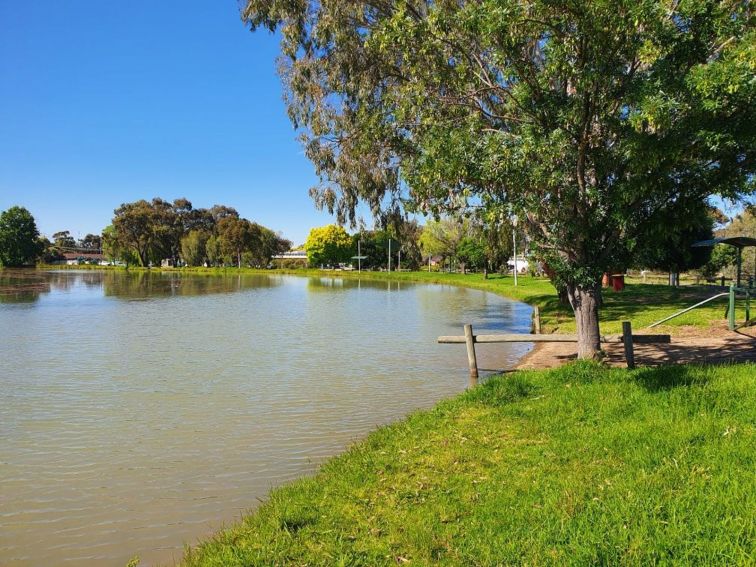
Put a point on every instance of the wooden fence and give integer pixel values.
(470, 339)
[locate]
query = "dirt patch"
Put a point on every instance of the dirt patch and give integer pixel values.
(712, 345)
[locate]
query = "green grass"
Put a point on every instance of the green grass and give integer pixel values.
(581, 465)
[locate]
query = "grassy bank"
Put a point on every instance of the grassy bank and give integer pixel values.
(578, 465)
(642, 304)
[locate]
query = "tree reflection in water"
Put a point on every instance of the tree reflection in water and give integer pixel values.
(27, 286)
(22, 286)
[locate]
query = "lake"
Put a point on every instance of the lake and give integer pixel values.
(141, 411)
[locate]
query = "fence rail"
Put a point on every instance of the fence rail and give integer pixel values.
(470, 340)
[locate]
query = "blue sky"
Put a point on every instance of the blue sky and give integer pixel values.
(109, 102)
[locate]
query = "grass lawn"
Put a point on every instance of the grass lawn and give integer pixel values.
(578, 465)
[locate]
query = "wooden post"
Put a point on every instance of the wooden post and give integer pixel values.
(472, 361)
(536, 320)
(731, 309)
(627, 339)
(748, 306)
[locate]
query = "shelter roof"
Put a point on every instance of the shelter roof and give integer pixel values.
(737, 241)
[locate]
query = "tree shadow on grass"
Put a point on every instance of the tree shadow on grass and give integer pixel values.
(664, 378)
(726, 350)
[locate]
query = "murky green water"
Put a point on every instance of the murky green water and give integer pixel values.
(139, 412)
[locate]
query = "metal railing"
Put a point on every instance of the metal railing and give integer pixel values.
(730, 314)
(682, 312)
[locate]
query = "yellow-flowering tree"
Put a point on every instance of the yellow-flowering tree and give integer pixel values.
(328, 245)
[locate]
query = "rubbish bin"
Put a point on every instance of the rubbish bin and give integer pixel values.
(618, 282)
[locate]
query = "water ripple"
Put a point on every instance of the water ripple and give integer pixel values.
(141, 413)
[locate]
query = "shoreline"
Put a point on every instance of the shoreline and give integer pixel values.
(533, 355)
(500, 473)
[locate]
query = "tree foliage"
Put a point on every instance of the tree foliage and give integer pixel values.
(150, 231)
(64, 241)
(472, 252)
(19, 238)
(194, 247)
(723, 257)
(91, 242)
(443, 237)
(592, 121)
(113, 249)
(235, 236)
(673, 251)
(328, 245)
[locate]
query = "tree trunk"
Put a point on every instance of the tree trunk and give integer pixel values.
(564, 297)
(585, 302)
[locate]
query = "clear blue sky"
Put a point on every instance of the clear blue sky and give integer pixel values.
(103, 103)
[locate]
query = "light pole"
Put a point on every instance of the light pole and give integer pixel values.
(359, 257)
(389, 255)
(514, 245)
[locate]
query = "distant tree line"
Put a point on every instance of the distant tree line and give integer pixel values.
(149, 232)
(469, 243)
(484, 242)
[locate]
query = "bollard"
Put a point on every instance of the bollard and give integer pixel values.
(627, 339)
(731, 309)
(472, 361)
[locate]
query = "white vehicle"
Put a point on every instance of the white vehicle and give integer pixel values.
(522, 264)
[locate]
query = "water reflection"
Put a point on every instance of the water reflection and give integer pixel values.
(22, 286)
(143, 285)
(27, 286)
(335, 283)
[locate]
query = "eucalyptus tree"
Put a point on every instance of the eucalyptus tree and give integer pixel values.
(138, 230)
(268, 244)
(194, 247)
(591, 121)
(235, 237)
(64, 241)
(443, 237)
(91, 242)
